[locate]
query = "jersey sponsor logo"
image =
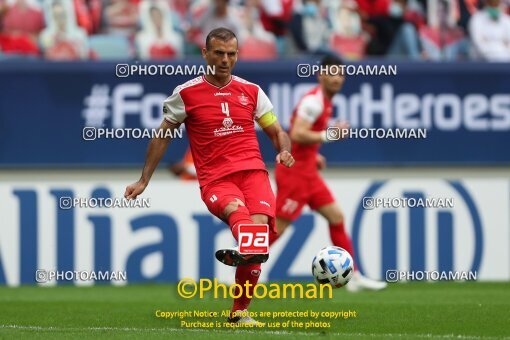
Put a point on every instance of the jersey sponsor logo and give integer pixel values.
(228, 124)
(243, 99)
(222, 94)
(228, 131)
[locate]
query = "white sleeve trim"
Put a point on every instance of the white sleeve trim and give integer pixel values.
(310, 108)
(173, 108)
(264, 105)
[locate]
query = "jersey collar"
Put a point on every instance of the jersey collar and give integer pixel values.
(217, 87)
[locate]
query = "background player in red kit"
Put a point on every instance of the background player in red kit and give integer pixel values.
(218, 111)
(302, 184)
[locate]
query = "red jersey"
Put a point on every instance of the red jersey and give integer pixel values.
(316, 109)
(220, 124)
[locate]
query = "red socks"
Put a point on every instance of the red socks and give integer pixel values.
(340, 238)
(245, 273)
(250, 273)
(240, 216)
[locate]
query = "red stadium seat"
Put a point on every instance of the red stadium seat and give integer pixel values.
(349, 47)
(256, 49)
(18, 44)
(160, 52)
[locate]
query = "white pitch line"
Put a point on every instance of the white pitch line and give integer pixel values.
(246, 331)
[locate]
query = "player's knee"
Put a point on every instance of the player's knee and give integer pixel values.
(281, 225)
(280, 229)
(259, 219)
(336, 218)
(232, 206)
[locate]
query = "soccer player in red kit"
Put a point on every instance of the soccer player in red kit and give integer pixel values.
(219, 111)
(302, 184)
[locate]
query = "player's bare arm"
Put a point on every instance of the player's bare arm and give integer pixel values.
(155, 152)
(321, 162)
(281, 142)
(302, 132)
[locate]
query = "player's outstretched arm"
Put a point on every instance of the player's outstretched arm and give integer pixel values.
(155, 152)
(302, 132)
(321, 162)
(281, 142)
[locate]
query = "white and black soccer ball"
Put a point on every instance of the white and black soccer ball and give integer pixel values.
(333, 265)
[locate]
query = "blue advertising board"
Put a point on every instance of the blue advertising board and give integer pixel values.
(464, 109)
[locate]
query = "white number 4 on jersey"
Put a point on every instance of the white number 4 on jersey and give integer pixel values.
(224, 108)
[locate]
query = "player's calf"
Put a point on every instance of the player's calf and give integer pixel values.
(238, 214)
(282, 225)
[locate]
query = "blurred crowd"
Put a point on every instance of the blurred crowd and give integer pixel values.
(267, 29)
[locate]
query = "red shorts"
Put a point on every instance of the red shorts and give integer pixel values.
(295, 190)
(252, 187)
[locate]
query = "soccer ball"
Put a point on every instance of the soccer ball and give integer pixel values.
(333, 265)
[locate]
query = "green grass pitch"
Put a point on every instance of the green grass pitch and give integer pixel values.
(467, 310)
